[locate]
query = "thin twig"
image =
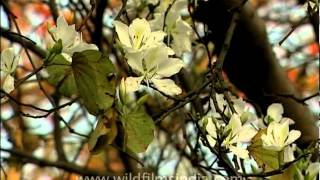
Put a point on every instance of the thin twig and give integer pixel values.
(277, 171)
(23, 40)
(84, 21)
(293, 97)
(166, 14)
(123, 8)
(4, 172)
(295, 26)
(227, 41)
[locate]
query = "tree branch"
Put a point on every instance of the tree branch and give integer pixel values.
(54, 9)
(14, 37)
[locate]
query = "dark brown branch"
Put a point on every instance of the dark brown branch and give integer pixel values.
(98, 23)
(23, 41)
(227, 41)
(277, 171)
(4, 172)
(84, 21)
(54, 9)
(51, 110)
(166, 14)
(291, 96)
(293, 28)
(22, 104)
(189, 98)
(20, 81)
(57, 133)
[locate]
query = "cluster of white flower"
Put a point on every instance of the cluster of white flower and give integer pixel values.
(244, 125)
(146, 52)
(71, 42)
(148, 56)
(179, 31)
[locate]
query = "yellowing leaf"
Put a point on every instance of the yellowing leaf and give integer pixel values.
(104, 133)
(287, 174)
(267, 159)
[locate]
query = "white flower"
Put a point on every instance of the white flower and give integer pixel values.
(177, 29)
(238, 134)
(138, 35)
(9, 62)
(288, 153)
(312, 170)
(71, 39)
(140, 8)
(153, 65)
(278, 136)
(274, 113)
(211, 129)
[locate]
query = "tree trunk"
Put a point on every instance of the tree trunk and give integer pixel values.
(251, 64)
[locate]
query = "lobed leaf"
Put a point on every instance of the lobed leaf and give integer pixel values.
(139, 129)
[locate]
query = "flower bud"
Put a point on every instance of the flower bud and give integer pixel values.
(122, 91)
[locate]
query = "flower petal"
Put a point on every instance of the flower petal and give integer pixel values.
(234, 124)
(288, 153)
(290, 121)
(67, 57)
(135, 61)
(281, 133)
(82, 46)
(166, 86)
(8, 84)
(139, 31)
(154, 57)
(275, 111)
(132, 83)
(246, 133)
(293, 135)
(123, 33)
(64, 32)
(313, 169)
(157, 22)
(170, 67)
(155, 38)
(9, 60)
(221, 101)
(240, 152)
(211, 128)
(211, 140)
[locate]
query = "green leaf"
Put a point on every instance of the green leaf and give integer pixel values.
(139, 129)
(104, 133)
(57, 48)
(91, 71)
(269, 160)
(142, 99)
(88, 75)
(60, 74)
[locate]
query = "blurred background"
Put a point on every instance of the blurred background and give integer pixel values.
(24, 127)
